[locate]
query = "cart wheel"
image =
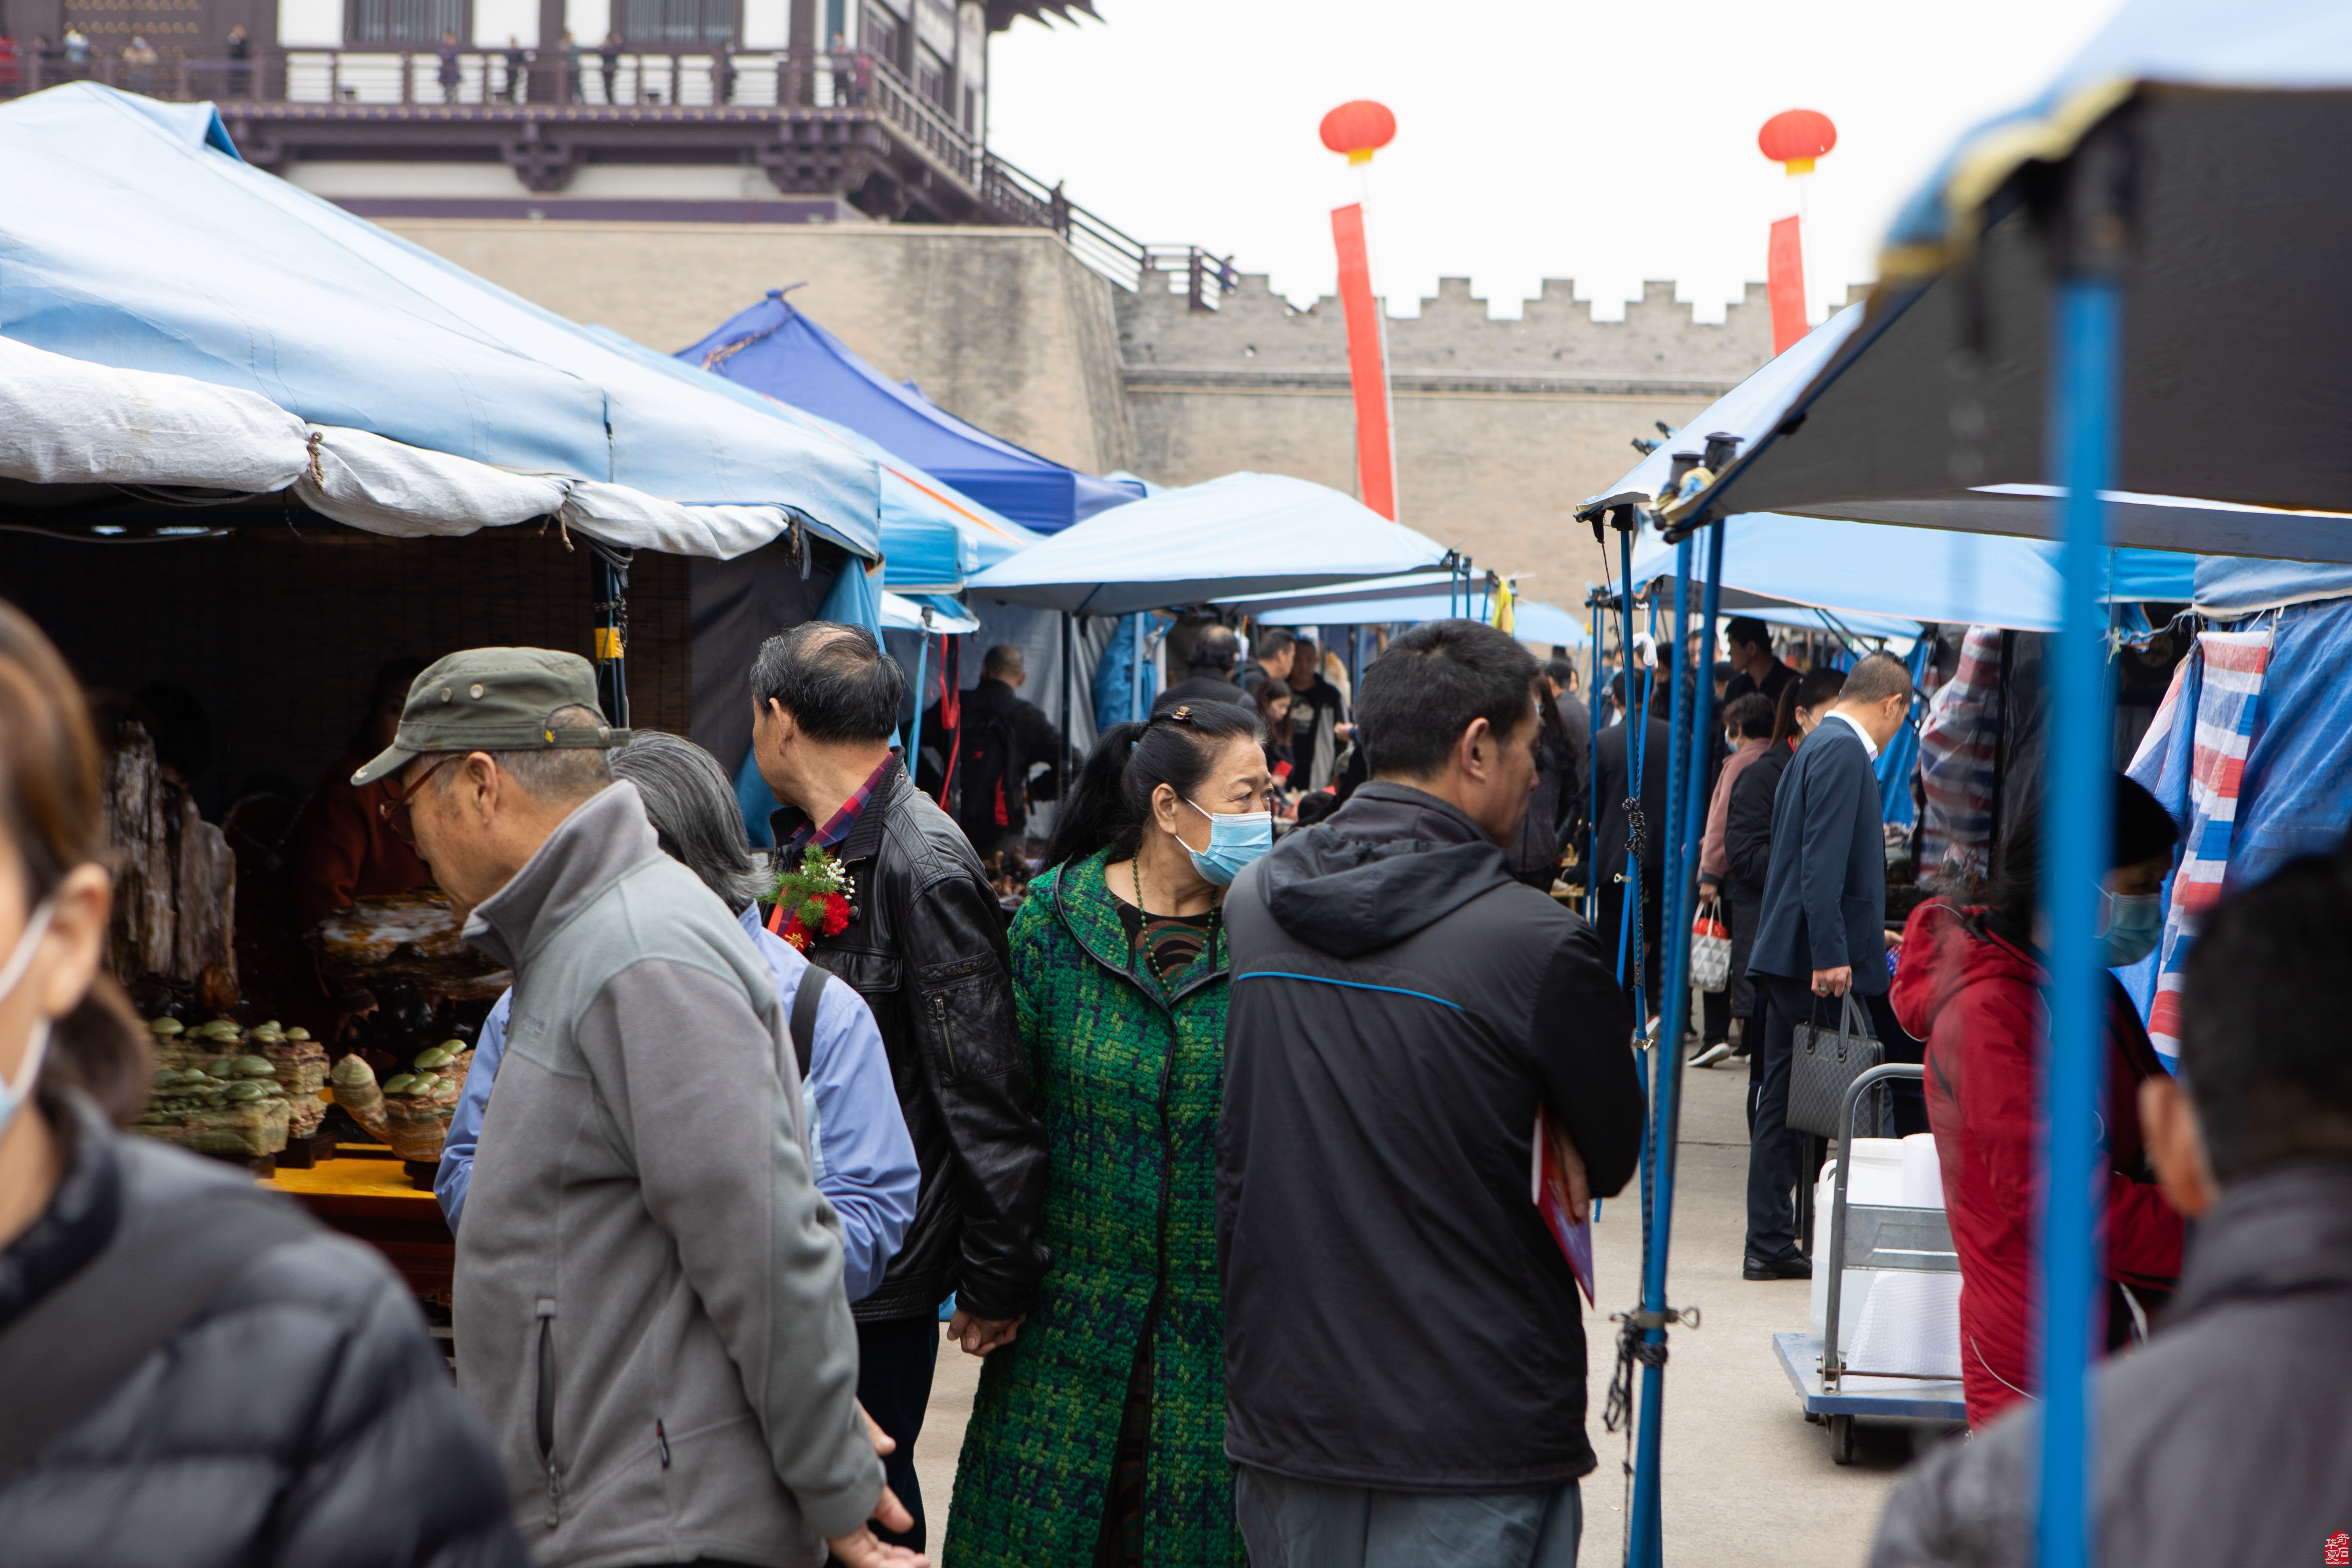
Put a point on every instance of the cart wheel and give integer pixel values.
(1842, 1440)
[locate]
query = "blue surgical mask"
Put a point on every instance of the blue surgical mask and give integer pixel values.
(2134, 924)
(1236, 838)
(12, 1096)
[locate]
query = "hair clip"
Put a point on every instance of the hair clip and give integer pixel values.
(1182, 713)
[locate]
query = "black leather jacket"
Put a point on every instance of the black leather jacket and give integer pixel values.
(926, 947)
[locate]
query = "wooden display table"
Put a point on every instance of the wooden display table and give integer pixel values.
(373, 1200)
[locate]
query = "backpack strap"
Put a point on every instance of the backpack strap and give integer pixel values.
(75, 1347)
(805, 997)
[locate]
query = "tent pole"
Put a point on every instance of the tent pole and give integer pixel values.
(1593, 739)
(1069, 731)
(914, 760)
(2083, 438)
(1645, 1529)
(608, 577)
(1135, 671)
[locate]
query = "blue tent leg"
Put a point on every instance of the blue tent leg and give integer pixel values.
(2078, 805)
(1644, 1542)
(914, 758)
(1592, 819)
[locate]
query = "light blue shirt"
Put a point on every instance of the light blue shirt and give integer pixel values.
(864, 1158)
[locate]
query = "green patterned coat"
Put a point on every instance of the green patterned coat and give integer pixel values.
(1129, 1075)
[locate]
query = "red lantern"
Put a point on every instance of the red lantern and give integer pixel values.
(1359, 129)
(1794, 138)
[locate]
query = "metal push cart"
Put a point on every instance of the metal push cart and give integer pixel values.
(1866, 1235)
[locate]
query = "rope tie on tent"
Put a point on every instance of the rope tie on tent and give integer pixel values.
(1617, 1410)
(317, 440)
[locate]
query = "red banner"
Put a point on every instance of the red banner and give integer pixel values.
(1368, 370)
(1784, 283)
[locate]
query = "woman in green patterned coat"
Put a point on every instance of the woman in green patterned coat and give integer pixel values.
(1098, 1437)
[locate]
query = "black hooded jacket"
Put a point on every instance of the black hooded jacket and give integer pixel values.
(302, 1420)
(1397, 1315)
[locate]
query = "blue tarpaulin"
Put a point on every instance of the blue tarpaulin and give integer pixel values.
(2231, 587)
(1915, 573)
(1244, 533)
(933, 536)
(776, 348)
(134, 237)
(1533, 621)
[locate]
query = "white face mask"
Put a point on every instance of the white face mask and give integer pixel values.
(13, 1095)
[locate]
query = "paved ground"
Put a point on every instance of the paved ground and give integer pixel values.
(1747, 1481)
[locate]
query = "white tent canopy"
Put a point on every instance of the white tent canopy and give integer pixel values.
(1244, 533)
(67, 421)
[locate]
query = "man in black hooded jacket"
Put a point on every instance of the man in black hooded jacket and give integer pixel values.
(1404, 1353)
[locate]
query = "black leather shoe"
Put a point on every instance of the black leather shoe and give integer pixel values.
(1778, 1268)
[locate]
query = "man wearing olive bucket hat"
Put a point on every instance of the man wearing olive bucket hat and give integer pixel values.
(649, 1310)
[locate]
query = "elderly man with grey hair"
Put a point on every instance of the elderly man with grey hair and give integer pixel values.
(864, 1159)
(649, 1304)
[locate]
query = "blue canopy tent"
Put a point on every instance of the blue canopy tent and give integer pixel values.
(271, 289)
(933, 535)
(1534, 621)
(1915, 573)
(1242, 533)
(139, 244)
(2126, 291)
(776, 348)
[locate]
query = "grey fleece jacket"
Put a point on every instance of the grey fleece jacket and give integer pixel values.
(649, 1310)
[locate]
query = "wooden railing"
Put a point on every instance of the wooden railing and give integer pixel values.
(669, 80)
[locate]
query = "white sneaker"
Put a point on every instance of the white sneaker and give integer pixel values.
(1718, 1052)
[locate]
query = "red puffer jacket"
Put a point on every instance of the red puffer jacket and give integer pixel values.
(1974, 998)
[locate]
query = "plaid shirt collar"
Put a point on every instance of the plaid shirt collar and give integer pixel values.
(839, 825)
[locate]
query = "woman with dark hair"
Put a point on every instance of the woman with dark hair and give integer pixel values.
(1749, 721)
(1970, 984)
(1273, 700)
(1098, 1437)
(1534, 855)
(194, 1371)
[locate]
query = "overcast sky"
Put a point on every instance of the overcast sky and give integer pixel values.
(1607, 140)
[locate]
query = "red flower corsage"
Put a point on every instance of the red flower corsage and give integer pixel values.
(810, 900)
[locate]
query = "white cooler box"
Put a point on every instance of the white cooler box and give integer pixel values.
(1899, 1306)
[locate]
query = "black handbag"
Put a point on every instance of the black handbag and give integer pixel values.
(1824, 1064)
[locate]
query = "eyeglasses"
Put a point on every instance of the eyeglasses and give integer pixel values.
(394, 811)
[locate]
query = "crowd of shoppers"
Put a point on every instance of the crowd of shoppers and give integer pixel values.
(1218, 1157)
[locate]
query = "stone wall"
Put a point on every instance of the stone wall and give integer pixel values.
(1502, 427)
(1003, 326)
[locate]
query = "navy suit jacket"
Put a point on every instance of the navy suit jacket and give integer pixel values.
(1825, 889)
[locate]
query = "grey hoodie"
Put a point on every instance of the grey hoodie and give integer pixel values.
(649, 1311)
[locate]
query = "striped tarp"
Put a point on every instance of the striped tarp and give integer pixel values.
(1956, 758)
(2193, 759)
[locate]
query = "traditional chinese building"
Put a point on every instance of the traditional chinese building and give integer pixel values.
(709, 111)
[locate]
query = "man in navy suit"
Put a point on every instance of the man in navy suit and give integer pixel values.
(1822, 931)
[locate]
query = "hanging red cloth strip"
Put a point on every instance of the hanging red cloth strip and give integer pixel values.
(951, 711)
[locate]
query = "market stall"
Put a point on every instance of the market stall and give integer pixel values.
(247, 494)
(2121, 295)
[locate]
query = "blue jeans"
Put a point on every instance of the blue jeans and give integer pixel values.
(1291, 1523)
